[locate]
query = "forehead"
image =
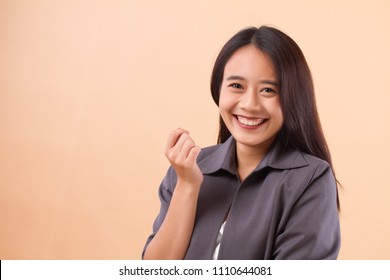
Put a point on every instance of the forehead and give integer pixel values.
(250, 62)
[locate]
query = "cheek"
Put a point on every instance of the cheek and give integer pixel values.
(224, 102)
(276, 111)
(280, 115)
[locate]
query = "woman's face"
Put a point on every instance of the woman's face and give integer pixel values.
(249, 100)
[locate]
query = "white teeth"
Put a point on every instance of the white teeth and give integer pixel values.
(250, 122)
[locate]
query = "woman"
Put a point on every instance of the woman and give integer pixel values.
(267, 190)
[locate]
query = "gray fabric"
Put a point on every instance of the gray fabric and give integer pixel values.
(285, 209)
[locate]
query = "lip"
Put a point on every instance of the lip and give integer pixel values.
(249, 127)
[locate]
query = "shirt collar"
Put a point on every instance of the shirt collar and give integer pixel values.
(279, 158)
(224, 158)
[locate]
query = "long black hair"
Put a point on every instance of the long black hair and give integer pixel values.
(301, 127)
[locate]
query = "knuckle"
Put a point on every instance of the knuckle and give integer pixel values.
(170, 154)
(185, 136)
(189, 141)
(177, 161)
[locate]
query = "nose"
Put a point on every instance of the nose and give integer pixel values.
(250, 101)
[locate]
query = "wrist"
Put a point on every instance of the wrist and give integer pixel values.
(191, 186)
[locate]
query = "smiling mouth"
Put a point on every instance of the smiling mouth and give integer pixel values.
(252, 122)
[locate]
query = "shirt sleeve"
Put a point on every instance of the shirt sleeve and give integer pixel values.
(312, 230)
(165, 192)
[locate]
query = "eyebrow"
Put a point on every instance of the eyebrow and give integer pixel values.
(236, 77)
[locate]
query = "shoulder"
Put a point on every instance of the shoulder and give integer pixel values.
(314, 161)
(319, 167)
(292, 159)
(317, 177)
(298, 170)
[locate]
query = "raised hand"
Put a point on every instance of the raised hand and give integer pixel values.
(182, 152)
(172, 239)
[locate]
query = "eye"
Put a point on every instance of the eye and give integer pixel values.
(268, 91)
(236, 86)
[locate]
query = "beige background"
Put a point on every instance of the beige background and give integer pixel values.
(90, 89)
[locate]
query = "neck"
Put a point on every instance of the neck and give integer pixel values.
(248, 158)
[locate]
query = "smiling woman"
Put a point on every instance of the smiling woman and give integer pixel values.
(249, 105)
(267, 190)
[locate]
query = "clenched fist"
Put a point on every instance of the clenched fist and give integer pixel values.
(182, 152)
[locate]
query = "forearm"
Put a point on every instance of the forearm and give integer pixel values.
(172, 239)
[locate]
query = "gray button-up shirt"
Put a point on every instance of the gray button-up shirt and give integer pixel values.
(285, 209)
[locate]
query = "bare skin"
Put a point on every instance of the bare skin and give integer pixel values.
(172, 239)
(247, 159)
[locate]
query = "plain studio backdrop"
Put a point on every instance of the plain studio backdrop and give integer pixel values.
(89, 91)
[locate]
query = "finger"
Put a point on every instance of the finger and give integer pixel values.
(185, 148)
(193, 154)
(176, 153)
(174, 136)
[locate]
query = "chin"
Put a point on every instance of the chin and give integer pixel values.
(253, 141)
